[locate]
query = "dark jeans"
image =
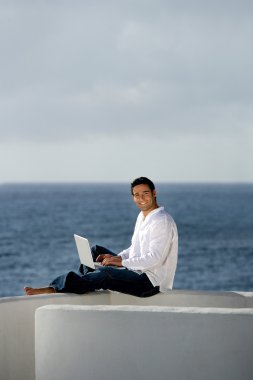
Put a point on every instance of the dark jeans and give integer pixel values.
(112, 278)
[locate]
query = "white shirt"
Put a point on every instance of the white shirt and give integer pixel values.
(154, 248)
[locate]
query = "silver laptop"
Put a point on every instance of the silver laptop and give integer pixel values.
(83, 249)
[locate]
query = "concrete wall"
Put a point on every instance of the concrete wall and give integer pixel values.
(136, 342)
(17, 331)
(17, 319)
(188, 298)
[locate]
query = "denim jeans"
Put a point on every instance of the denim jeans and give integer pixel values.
(112, 278)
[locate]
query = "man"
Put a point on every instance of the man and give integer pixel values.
(147, 266)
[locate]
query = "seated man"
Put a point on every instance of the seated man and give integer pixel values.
(147, 266)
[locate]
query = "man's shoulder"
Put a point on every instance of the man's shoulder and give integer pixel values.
(163, 216)
(161, 212)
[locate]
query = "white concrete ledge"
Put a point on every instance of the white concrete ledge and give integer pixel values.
(143, 342)
(17, 319)
(17, 356)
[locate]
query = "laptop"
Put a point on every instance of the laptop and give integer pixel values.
(83, 249)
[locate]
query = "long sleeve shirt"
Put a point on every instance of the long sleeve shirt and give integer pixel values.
(154, 248)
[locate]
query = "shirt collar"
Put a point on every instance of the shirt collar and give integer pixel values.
(158, 209)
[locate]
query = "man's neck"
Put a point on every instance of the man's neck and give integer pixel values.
(145, 213)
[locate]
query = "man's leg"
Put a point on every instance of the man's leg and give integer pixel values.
(71, 282)
(78, 283)
(121, 280)
(129, 282)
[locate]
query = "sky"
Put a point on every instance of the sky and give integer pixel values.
(106, 91)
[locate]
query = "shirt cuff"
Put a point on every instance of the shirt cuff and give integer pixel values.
(123, 255)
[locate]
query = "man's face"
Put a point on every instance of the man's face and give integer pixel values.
(144, 198)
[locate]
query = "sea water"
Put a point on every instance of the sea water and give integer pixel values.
(37, 223)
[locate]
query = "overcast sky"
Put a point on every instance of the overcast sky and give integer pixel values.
(110, 90)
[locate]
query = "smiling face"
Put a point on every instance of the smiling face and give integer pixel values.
(144, 198)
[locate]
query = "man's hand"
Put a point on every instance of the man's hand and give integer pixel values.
(112, 261)
(100, 258)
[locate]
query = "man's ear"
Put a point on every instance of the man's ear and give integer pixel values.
(154, 193)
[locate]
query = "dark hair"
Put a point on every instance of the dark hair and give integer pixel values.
(142, 181)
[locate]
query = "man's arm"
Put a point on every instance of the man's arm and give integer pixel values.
(154, 248)
(124, 254)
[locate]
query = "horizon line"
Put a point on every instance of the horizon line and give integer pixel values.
(209, 182)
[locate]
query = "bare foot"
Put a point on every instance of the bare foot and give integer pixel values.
(34, 291)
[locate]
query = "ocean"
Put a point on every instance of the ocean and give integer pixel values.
(37, 223)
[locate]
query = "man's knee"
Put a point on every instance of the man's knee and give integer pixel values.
(95, 251)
